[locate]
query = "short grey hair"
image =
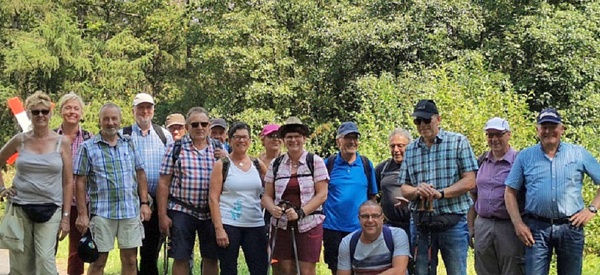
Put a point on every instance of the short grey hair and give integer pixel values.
(401, 132)
(110, 105)
(196, 110)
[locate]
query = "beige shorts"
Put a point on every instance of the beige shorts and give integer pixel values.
(129, 233)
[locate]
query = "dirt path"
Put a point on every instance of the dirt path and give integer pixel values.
(5, 266)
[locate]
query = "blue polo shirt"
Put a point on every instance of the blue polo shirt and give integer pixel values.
(553, 185)
(348, 189)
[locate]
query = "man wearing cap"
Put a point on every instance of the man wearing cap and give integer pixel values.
(438, 171)
(551, 172)
(497, 248)
(150, 140)
(218, 131)
(352, 181)
(175, 123)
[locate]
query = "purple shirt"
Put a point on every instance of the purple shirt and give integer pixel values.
(490, 185)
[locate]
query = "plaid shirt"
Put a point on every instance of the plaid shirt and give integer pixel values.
(190, 183)
(152, 149)
(75, 143)
(111, 177)
(441, 165)
(307, 187)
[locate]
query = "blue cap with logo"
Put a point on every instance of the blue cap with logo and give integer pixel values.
(549, 115)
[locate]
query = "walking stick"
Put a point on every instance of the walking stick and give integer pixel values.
(295, 249)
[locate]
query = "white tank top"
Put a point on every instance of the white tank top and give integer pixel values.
(240, 199)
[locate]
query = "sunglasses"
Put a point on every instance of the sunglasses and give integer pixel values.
(417, 121)
(273, 136)
(196, 124)
(498, 135)
(38, 112)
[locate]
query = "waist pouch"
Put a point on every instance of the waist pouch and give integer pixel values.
(437, 223)
(39, 213)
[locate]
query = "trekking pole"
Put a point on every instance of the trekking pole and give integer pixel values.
(274, 236)
(295, 249)
(429, 244)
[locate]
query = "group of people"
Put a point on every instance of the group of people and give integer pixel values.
(145, 184)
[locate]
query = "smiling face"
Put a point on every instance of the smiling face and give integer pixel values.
(40, 115)
(498, 141)
(110, 121)
(143, 113)
(294, 142)
(197, 125)
(71, 112)
(398, 147)
(550, 133)
(428, 130)
(240, 141)
(271, 141)
(348, 144)
(371, 220)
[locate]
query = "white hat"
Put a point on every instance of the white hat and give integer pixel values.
(497, 123)
(141, 98)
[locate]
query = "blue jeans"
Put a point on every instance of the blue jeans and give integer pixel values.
(253, 241)
(565, 239)
(453, 243)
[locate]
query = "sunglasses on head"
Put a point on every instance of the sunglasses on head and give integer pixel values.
(417, 121)
(38, 112)
(196, 124)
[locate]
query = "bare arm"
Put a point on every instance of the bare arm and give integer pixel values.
(67, 185)
(318, 199)
(8, 150)
(344, 272)
(471, 215)
(82, 211)
(162, 195)
(522, 230)
(399, 266)
(145, 211)
(268, 200)
(214, 198)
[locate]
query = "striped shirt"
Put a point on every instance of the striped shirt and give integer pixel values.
(190, 183)
(75, 143)
(553, 185)
(152, 149)
(111, 177)
(442, 165)
(307, 187)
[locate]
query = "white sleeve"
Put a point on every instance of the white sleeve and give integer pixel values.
(344, 261)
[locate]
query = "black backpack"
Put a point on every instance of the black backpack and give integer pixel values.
(227, 163)
(157, 128)
(310, 162)
(387, 237)
(366, 166)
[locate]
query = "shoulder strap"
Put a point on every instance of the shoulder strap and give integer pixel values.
(481, 158)
(368, 169)
(226, 164)
(127, 130)
(176, 150)
(310, 162)
(330, 161)
(58, 142)
(159, 131)
(22, 141)
(276, 164)
(353, 242)
(256, 164)
(86, 135)
(388, 238)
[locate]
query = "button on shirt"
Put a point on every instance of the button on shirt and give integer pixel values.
(553, 185)
(190, 183)
(152, 149)
(490, 185)
(111, 177)
(442, 165)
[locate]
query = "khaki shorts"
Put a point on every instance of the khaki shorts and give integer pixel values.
(129, 233)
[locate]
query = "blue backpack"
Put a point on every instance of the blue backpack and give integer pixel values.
(387, 237)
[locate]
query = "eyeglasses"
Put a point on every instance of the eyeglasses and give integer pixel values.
(38, 112)
(417, 121)
(241, 138)
(498, 135)
(273, 136)
(196, 124)
(372, 216)
(399, 145)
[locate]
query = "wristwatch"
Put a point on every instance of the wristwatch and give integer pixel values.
(66, 214)
(593, 209)
(442, 193)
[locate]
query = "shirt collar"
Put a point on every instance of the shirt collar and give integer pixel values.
(438, 138)
(60, 131)
(509, 156)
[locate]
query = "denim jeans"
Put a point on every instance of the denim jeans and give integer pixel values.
(566, 240)
(453, 244)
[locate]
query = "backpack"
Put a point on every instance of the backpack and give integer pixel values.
(157, 128)
(227, 162)
(366, 167)
(85, 134)
(310, 162)
(387, 237)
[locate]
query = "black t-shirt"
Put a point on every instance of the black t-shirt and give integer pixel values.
(387, 181)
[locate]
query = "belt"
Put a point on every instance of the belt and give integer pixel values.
(495, 218)
(549, 220)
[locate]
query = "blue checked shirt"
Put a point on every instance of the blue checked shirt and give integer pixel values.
(553, 186)
(196, 166)
(152, 149)
(111, 178)
(441, 165)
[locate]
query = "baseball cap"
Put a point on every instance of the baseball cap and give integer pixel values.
(218, 122)
(87, 249)
(174, 119)
(425, 108)
(141, 98)
(549, 115)
(497, 123)
(347, 127)
(269, 128)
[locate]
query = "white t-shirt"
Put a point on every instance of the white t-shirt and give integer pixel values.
(240, 199)
(372, 258)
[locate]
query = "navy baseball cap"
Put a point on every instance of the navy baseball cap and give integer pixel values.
(87, 249)
(549, 115)
(425, 108)
(348, 127)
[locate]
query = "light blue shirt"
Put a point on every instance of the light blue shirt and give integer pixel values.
(152, 150)
(553, 185)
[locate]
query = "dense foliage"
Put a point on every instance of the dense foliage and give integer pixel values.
(325, 61)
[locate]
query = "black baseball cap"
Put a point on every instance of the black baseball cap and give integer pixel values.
(87, 249)
(425, 108)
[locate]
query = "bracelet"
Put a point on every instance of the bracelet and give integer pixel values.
(144, 202)
(300, 212)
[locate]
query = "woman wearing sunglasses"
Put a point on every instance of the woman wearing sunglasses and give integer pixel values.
(270, 139)
(42, 188)
(234, 197)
